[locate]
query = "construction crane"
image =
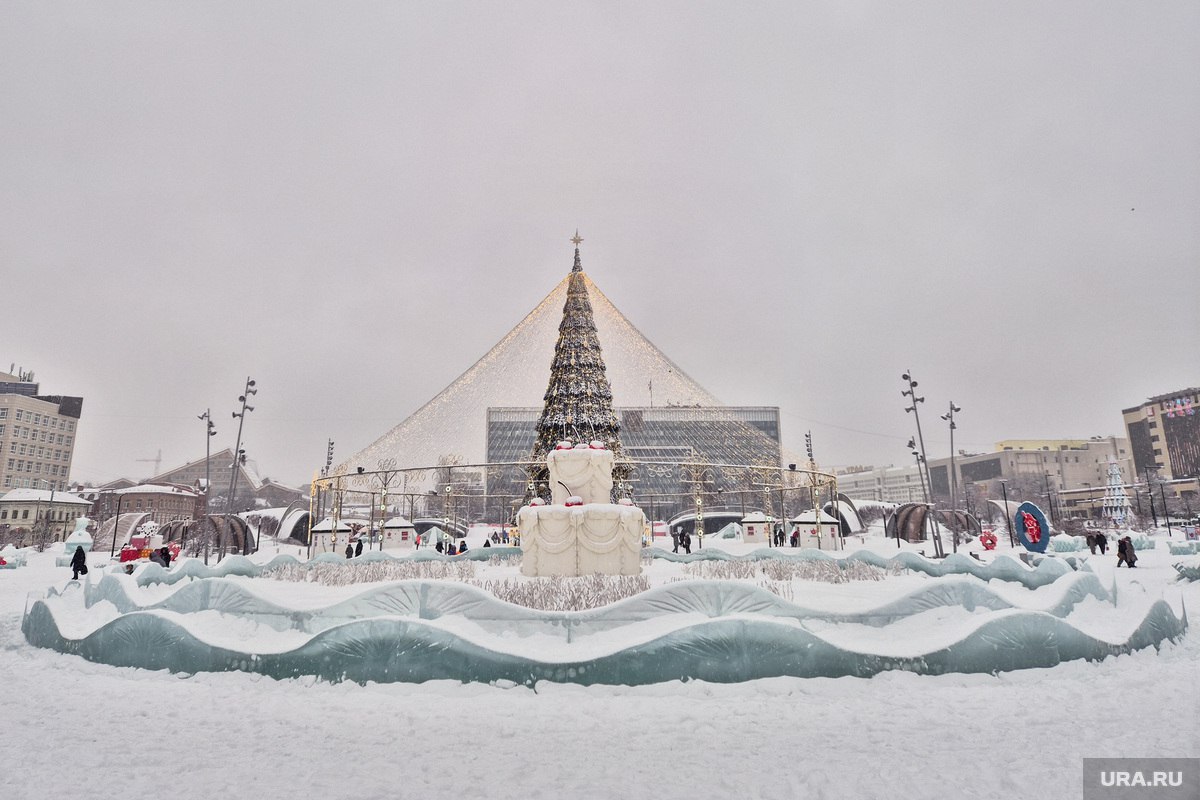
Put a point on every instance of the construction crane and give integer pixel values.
(156, 461)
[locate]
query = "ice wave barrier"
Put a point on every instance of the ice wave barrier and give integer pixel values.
(197, 618)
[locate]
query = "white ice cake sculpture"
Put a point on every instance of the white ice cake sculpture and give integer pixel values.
(573, 538)
(584, 472)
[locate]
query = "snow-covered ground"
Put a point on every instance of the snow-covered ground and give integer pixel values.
(74, 727)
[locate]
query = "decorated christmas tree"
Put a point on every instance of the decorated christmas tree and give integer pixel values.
(1116, 500)
(577, 406)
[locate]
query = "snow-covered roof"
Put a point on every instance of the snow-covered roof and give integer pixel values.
(267, 513)
(326, 525)
(807, 516)
(881, 504)
(42, 496)
(158, 488)
(398, 522)
(249, 469)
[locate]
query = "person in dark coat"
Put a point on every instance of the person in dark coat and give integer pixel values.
(488, 542)
(358, 548)
(78, 563)
(441, 548)
(1102, 542)
(462, 547)
(1091, 542)
(685, 541)
(166, 556)
(156, 558)
(349, 550)
(675, 535)
(1125, 552)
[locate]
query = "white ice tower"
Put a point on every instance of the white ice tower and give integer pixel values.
(1116, 508)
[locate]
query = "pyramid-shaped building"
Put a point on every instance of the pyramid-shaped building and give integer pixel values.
(512, 377)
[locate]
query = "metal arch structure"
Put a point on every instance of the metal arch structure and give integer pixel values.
(1008, 512)
(462, 494)
(713, 520)
(908, 522)
(959, 521)
(426, 524)
(838, 509)
(129, 522)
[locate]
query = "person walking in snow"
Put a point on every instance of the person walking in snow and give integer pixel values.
(1125, 553)
(675, 535)
(358, 548)
(685, 540)
(78, 563)
(1091, 542)
(1102, 541)
(349, 550)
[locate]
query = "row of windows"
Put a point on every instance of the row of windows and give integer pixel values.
(23, 432)
(11, 482)
(37, 452)
(57, 423)
(59, 515)
(21, 465)
(167, 505)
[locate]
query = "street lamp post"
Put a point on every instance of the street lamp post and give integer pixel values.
(239, 458)
(1007, 519)
(1161, 493)
(911, 393)
(37, 515)
(383, 505)
(1049, 496)
(116, 524)
(949, 416)
(39, 528)
(210, 431)
(912, 446)
(1150, 495)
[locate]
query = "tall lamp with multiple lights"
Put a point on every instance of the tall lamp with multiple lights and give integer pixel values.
(239, 456)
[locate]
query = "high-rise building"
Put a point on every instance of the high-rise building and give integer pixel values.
(1164, 434)
(37, 434)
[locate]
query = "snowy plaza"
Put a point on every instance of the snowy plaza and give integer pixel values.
(583, 647)
(634, 400)
(762, 641)
(897, 734)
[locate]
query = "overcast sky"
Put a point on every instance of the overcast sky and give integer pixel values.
(351, 202)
